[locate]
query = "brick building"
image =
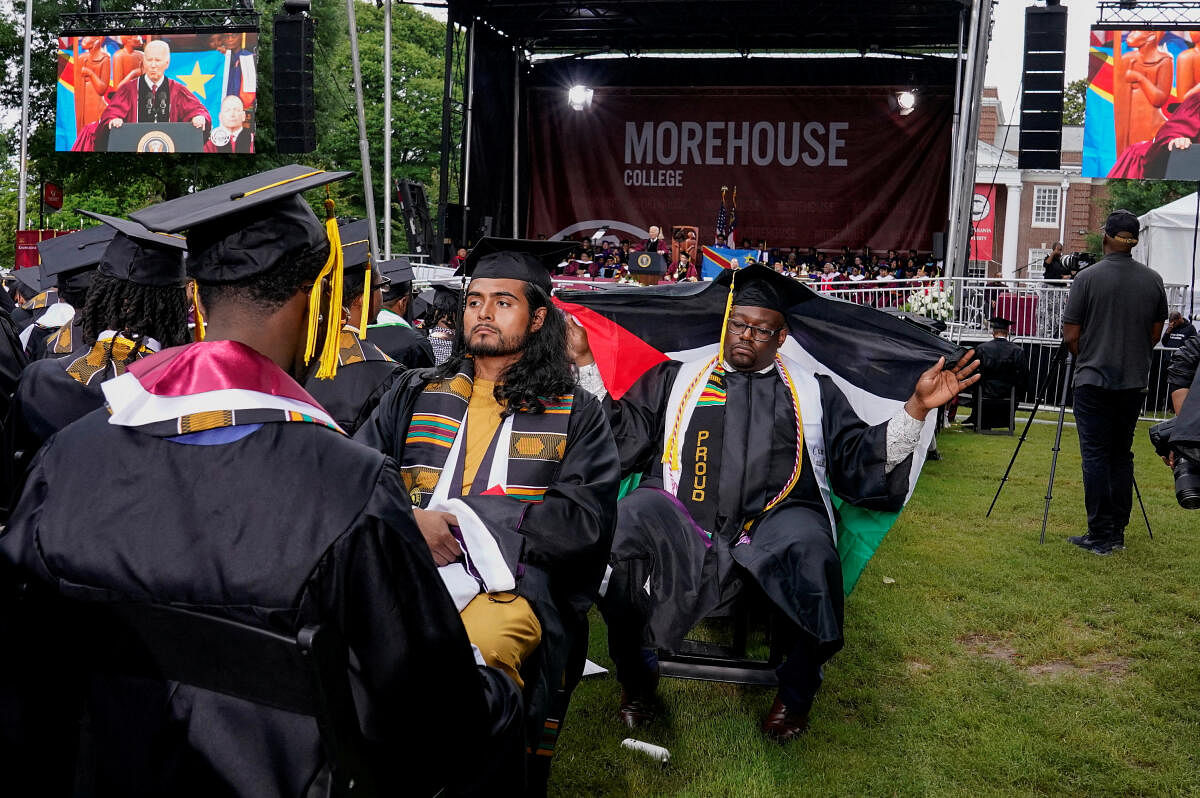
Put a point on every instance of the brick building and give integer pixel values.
(1031, 208)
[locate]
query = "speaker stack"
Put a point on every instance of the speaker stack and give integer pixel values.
(1043, 82)
(295, 122)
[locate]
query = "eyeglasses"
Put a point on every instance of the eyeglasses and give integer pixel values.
(758, 333)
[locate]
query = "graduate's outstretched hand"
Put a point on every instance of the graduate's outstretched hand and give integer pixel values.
(435, 528)
(939, 385)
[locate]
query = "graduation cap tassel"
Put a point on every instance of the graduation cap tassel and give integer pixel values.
(328, 364)
(366, 305)
(193, 291)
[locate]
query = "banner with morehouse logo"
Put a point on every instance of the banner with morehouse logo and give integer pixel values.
(824, 167)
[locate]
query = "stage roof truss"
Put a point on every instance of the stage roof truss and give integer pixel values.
(1163, 15)
(743, 26)
(209, 20)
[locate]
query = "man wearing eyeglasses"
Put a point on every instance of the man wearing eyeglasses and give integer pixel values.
(738, 454)
(364, 372)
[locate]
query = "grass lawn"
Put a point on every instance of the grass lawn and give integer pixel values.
(990, 666)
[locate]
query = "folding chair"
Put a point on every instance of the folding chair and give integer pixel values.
(305, 674)
(977, 416)
(730, 663)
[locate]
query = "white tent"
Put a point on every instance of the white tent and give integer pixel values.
(1165, 243)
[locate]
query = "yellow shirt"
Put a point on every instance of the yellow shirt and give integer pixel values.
(483, 419)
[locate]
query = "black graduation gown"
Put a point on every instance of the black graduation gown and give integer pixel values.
(791, 553)
(1002, 366)
(557, 547)
(292, 525)
(402, 344)
(361, 381)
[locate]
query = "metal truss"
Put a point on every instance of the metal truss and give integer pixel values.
(1164, 14)
(183, 21)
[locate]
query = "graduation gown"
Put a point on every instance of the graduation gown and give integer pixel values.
(193, 525)
(364, 374)
(789, 550)
(557, 547)
(1002, 366)
(402, 343)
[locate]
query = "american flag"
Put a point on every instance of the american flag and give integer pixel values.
(732, 220)
(722, 219)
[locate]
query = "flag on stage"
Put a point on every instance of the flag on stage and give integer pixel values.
(732, 237)
(874, 358)
(714, 260)
(722, 219)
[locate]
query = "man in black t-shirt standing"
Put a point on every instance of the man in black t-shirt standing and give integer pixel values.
(1114, 318)
(1052, 264)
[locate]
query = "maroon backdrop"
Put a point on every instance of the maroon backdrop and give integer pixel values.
(824, 167)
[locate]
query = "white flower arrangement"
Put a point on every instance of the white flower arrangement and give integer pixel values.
(932, 303)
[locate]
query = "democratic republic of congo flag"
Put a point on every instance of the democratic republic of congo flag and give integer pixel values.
(873, 357)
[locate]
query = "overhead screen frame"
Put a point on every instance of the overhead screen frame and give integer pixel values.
(183, 21)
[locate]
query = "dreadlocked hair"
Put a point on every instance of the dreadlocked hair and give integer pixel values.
(444, 307)
(542, 373)
(269, 290)
(135, 311)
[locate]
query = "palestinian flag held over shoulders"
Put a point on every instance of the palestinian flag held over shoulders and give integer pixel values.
(873, 357)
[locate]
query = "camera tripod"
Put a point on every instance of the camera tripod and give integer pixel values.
(1061, 358)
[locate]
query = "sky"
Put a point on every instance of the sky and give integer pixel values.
(1006, 52)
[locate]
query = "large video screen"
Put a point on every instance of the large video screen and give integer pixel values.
(157, 93)
(1143, 105)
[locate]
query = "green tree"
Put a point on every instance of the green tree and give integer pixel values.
(1140, 196)
(1074, 102)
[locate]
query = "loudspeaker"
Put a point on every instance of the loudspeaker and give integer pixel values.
(295, 124)
(939, 245)
(1043, 81)
(417, 225)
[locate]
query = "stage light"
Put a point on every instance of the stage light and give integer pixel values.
(579, 97)
(906, 101)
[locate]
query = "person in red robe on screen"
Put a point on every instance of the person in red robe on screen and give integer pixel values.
(152, 98)
(231, 135)
(1177, 133)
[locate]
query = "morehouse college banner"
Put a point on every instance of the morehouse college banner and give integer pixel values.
(824, 167)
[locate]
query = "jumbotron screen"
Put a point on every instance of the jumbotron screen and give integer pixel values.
(1143, 105)
(157, 93)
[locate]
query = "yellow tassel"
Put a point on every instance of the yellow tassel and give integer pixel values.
(366, 306)
(193, 291)
(332, 311)
(728, 308)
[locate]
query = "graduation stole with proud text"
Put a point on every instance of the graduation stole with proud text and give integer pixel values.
(694, 458)
(535, 448)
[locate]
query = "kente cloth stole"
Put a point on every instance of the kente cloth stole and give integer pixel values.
(701, 447)
(118, 350)
(60, 344)
(351, 349)
(527, 448)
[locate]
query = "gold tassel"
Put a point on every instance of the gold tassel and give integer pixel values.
(193, 291)
(725, 321)
(328, 355)
(366, 305)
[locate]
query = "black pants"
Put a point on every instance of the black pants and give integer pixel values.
(1105, 421)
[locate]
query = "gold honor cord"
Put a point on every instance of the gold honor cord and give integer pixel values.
(366, 305)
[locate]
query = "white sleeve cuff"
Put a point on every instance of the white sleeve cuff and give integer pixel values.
(591, 381)
(903, 435)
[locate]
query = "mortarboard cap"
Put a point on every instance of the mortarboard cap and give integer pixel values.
(141, 256)
(1000, 323)
(398, 270)
(356, 245)
(516, 259)
(30, 280)
(757, 286)
(244, 227)
(71, 259)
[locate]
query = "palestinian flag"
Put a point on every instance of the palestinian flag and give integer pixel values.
(873, 357)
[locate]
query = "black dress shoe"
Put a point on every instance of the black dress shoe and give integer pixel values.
(784, 724)
(639, 706)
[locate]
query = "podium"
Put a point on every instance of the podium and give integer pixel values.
(1175, 165)
(647, 267)
(161, 137)
(1021, 309)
